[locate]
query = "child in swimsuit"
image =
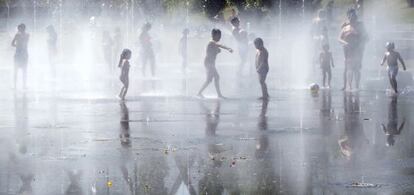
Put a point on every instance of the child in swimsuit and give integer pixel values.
(213, 48)
(262, 66)
(392, 57)
(124, 65)
(326, 61)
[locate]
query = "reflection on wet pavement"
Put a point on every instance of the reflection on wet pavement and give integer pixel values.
(332, 143)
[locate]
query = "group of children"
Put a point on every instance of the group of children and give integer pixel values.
(392, 57)
(213, 49)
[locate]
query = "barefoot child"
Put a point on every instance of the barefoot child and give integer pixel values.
(124, 65)
(213, 48)
(262, 66)
(326, 61)
(392, 57)
(183, 48)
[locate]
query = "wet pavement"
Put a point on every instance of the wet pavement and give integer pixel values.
(75, 140)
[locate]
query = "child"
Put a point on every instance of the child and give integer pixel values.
(124, 65)
(392, 57)
(21, 56)
(213, 48)
(326, 61)
(147, 53)
(183, 48)
(262, 66)
(242, 41)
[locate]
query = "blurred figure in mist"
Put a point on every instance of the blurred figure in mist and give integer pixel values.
(124, 65)
(359, 7)
(326, 61)
(319, 34)
(213, 49)
(392, 57)
(262, 66)
(147, 52)
(118, 42)
(329, 11)
(233, 15)
(21, 56)
(392, 128)
(242, 41)
(353, 38)
(183, 49)
(107, 45)
(52, 48)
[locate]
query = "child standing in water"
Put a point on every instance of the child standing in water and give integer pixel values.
(183, 48)
(147, 52)
(262, 66)
(213, 48)
(21, 56)
(326, 61)
(392, 57)
(124, 65)
(242, 41)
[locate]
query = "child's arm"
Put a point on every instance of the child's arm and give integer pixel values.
(383, 128)
(13, 43)
(332, 60)
(401, 127)
(225, 47)
(341, 39)
(402, 61)
(383, 59)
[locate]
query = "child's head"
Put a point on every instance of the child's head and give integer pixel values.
(258, 43)
(390, 46)
(147, 26)
(126, 54)
(352, 15)
(216, 34)
(235, 22)
(186, 32)
(21, 27)
(325, 47)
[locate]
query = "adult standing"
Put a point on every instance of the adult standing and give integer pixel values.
(353, 37)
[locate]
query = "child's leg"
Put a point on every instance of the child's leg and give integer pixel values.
(357, 74)
(262, 80)
(121, 92)
(152, 63)
(329, 77)
(15, 76)
(206, 83)
(345, 76)
(144, 63)
(216, 77)
(323, 77)
(24, 75)
(125, 90)
(393, 79)
(350, 77)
